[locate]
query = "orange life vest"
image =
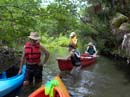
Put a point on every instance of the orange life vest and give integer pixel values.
(32, 52)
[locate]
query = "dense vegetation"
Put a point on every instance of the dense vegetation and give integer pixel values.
(90, 19)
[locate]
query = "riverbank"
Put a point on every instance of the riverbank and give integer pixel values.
(8, 57)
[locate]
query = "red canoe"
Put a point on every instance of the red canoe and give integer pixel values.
(66, 65)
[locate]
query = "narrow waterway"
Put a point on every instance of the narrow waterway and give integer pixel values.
(102, 79)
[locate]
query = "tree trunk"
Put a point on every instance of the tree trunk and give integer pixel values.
(112, 3)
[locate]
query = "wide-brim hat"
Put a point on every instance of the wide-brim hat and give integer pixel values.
(34, 36)
(90, 43)
(72, 34)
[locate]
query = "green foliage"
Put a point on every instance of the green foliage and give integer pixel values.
(54, 22)
(19, 17)
(63, 16)
(52, 42)
(98, 26)
(56, 46)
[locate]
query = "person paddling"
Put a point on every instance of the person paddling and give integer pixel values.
(32, 57)
(91, 50)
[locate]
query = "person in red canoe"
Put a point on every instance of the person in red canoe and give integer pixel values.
(73, 40)
(74, 56)
(91, 50)
(32, 57)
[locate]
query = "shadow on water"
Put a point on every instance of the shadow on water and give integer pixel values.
(125, 68)
(14, 93)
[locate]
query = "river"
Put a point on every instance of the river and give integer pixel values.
(102, 79)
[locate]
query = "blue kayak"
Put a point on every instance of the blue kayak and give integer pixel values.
(11, 80)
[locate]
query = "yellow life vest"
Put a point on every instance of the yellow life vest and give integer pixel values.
(73, 41)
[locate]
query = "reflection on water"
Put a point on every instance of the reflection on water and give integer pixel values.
(102, 79)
